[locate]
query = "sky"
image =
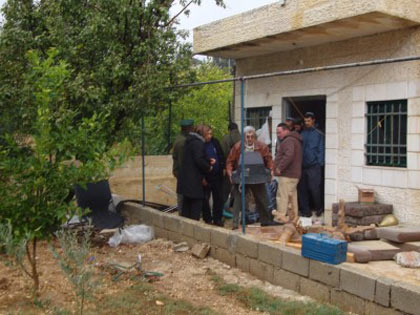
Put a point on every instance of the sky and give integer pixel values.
(209, 12)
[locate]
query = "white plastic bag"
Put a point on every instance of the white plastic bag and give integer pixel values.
(133, 234)
(264, 133)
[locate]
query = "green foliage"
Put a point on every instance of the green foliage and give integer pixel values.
(207, 104)
(123, 54)
(74, 261)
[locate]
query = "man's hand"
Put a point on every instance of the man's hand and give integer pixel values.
(229, 174)
(212, 161)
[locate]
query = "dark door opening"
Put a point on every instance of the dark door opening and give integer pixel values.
(296, 107)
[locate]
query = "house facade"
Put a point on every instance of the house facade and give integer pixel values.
(370, 115)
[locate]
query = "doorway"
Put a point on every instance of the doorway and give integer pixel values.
(296, 107)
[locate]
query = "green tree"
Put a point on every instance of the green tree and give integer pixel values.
(123, 54)
(39, 171)
(207, 104)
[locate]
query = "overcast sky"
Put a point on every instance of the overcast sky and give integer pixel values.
(209, 12)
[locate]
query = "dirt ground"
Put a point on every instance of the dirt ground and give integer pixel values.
(184, 278)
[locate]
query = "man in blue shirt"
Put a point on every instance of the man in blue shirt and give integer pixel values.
(313, 148)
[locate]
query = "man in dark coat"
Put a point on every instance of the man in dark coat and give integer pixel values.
(194, 167)
(214, 181)
(178, 151)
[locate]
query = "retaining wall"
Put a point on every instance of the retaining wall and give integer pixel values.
(342, 286)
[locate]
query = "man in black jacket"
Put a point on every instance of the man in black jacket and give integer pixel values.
(194, 167)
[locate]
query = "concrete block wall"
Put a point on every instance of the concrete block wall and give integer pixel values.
(343, 286)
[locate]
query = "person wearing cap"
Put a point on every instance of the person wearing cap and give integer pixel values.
(313, 148)
(290, 123)
(178, 151)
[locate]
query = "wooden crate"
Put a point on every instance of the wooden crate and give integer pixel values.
(366, 195)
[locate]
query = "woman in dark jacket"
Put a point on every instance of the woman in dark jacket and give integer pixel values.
(193, 170)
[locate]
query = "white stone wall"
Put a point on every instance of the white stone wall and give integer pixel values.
(347, 92)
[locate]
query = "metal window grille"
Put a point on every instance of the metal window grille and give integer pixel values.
(256, 117)
(386, 143)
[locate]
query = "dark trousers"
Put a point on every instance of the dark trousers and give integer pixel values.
(261, 200)
(191, 208)
(214, 189)
(310, 191)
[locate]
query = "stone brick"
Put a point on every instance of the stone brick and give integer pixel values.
(286, 279)
(405, 297)
(224, 256)
(359, 284)
(172, 223)
(200, 250)
(158, 220)
(247, 246)
(270, 254)
(202, 233)
(324, 273)
(219, 237)
(316, 290)
(160, 233)
(294, 262)
(375, 309)
(347, 302)
(242, 262)
(261, 270)
(175, 237)
(383, 291)
(186, 227)
(232, 242)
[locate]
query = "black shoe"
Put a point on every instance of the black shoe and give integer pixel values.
(219, 223)
(271, 223)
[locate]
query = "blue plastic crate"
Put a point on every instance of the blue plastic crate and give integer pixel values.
(323, 248)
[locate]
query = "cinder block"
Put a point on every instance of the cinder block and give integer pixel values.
(375, 309)
(224, 256)
(347, 302)
(316, 290)
(247, 246)
(186, 227)
(270, 254)
(190, 241)
(158, 220)
(261, 270)
(405, 297)
(328, 274)
(359, 284)
(175, 237)
(286, 279)
(294, 262)
(242, 262)
(383, 291)
(160, 233)
(219, 237)
(232, 242)
(202, 233)
(172, 223)
(200, 250)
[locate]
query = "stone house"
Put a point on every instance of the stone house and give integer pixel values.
(370, 115)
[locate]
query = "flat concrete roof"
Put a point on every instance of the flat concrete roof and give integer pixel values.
(302, 23)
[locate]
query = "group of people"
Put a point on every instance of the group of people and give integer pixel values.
(205, 167)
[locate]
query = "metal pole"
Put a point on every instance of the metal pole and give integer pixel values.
(143, 166)
(242, 156)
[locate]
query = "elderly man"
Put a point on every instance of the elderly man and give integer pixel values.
(287, 168)
(254, 181)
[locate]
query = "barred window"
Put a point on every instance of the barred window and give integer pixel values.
(256, 117)
(386, 143)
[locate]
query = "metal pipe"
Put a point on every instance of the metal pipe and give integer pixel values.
(143, 165)
(306, 70)
(242, 156)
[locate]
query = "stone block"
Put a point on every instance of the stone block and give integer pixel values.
(347, 302)
(375, 309)
(202, 233)
(224, 256)
(186, 227)
(294, 262)
(172, 223)
(286, 279)
(270, 254)
(160, 233)
(242, 262)
(405, 297)
(261, 270)
(219, 237)
(158, 220)
(315, 290)
(247, 246)
(175, 237)
(232, 242)
(324, 273)
(200, 250)
(356, 209)
(359, 284)
(383, 291)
